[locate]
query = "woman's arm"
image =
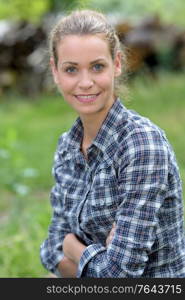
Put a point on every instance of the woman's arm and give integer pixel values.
(67, 268)
(51, 249)
(51, 252)
(73, 250)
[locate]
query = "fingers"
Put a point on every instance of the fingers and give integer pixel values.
(108, 241)
(111, 234)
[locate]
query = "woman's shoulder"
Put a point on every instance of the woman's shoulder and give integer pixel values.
(63, 144)
(135, 126)
(138, 136)
(63, 138)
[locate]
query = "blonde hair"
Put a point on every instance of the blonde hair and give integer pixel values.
(85, 22)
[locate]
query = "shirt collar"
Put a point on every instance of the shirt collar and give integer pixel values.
(107, 135)
(108, 132)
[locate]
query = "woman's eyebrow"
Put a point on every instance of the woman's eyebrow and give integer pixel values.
(97, 60)
(75, 63)
(70, 62)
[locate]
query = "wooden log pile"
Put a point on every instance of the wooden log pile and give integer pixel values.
(150, 45)
(22, 48)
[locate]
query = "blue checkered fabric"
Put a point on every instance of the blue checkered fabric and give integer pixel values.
(131, 177)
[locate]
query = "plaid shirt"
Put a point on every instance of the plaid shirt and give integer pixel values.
(131, 178)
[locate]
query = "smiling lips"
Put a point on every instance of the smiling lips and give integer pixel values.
(87, 98)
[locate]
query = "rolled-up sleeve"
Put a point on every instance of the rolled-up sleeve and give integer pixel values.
(51, 249)
(143, 177)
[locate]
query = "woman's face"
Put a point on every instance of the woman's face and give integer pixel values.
(85, 73)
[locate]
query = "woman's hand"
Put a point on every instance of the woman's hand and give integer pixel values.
(67, 268)
(111, 235)
(73, 248)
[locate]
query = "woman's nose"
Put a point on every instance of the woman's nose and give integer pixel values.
(85, 81)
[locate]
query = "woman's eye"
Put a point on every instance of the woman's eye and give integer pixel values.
(98, 67)
(70, 69)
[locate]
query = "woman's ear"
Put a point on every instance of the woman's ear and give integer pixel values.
(117, 64)
(54, 70)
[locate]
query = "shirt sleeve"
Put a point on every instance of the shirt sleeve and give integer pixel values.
(51, 249)
(142, 184)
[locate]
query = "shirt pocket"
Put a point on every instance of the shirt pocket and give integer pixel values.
(64, 177)
(104, 203)
(104, 190)
(63, 171)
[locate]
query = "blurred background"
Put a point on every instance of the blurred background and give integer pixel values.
(33, 114)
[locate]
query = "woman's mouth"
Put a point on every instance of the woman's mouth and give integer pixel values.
(87, 98)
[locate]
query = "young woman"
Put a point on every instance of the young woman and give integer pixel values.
(117, 202)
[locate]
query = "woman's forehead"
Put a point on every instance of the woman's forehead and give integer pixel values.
(73, 42)
(87, 46)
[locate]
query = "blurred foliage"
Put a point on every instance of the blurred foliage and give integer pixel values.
(14, 169)
(20, 9)
(66, 5)
(169, 10)
(33, 10)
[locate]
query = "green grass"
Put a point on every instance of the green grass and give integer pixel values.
(29, 133)
(28, 137)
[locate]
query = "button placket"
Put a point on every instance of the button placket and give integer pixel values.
(87, 188)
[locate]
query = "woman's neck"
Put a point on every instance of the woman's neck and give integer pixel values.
(91, 125)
